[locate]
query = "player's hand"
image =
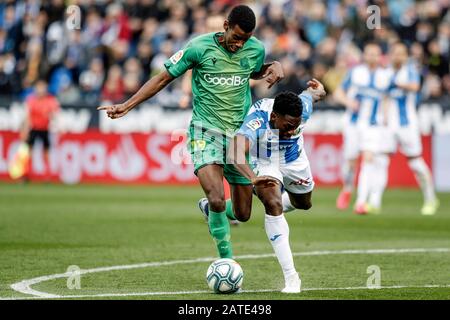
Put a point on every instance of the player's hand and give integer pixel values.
(265, 181)
(316, 89)
(115, 111)
(315, 84)
(274, 74)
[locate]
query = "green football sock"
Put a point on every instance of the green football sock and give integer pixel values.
(229, 210)
(220, 231)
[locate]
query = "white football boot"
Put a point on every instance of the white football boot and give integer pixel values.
(292, 284)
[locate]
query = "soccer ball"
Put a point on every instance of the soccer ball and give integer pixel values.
(224, 276)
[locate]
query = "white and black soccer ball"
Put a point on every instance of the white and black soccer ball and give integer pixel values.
(225, 276)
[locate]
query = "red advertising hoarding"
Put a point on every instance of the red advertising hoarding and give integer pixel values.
(154, 158)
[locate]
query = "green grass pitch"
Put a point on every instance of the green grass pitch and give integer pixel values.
(44, 229)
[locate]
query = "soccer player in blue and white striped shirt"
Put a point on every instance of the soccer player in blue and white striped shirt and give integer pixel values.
(363, 92)
(272, 135)
(403, 122)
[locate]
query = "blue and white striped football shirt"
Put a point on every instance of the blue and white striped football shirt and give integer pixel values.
(265, 141)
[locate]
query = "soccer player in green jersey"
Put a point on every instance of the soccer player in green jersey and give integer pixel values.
(222, 65)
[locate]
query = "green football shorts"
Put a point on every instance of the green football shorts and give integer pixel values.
(206, 147)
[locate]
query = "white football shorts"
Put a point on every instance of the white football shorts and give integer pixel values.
(295, 176)
(408, 138)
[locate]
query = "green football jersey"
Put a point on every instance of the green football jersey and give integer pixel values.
(220, 79)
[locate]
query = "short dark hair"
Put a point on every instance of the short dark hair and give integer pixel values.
(288, 103)
(242, 16)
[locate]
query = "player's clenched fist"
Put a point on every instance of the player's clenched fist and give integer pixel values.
(316, 89)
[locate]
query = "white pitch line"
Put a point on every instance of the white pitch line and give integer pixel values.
(168, 293)
(24, 286)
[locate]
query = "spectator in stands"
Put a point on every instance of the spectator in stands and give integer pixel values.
(437, 62)
(145, 55)
(34, 65)
(57, 39)
(113, 90)
(91, 31)
(133, 66)
(9, 80)
(308, 32)
(91, 81)
(115, 26)
(131, 84)
(61, 78)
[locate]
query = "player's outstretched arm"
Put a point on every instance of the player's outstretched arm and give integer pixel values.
(239, 148)
(148, 90)
(412, 86)
(271, 72)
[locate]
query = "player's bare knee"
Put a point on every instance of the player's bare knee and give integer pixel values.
(216, 203)
(273, 207)
(242, 214)
(242, 217)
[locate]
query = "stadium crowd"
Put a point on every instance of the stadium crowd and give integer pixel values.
(120, 44)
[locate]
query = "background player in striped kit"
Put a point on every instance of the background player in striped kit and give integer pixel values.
(404, 126)
(362, 92)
